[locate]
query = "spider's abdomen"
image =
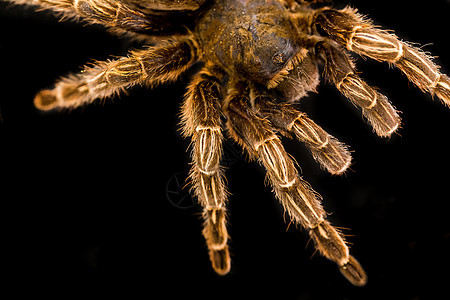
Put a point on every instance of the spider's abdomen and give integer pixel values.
(252, 39)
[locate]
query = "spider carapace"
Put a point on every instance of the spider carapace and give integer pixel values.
(252, 40)
(259, 58)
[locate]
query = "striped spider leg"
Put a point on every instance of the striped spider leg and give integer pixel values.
(133, 18)
(201, 118)
(375, 107)
(301, 202)
(331, 154)
(150, 66)
(359, 35)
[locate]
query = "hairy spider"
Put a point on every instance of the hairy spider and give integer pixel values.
(259, 58)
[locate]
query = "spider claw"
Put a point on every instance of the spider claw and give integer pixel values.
(220, 260)
(353, 271)
(66, 93)
(45, 100)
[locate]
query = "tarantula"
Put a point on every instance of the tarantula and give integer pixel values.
(259, 58)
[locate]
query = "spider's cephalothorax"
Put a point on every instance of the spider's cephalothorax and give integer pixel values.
(259, 57)
(258, 40)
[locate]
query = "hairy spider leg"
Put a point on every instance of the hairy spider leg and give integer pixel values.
(302, 203)
(123, 16)
(151, 66)
(170, 5)
(201, 115)
(107, 12)
(359, 35)
(375, 107)
(331, 154)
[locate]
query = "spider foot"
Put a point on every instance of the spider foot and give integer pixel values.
(65, 94)
(353, 271)
(375, 107)
(331, 154)
(220, 260)
(45, 100)
(331, 244)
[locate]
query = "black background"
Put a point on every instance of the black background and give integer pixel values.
(88, 195)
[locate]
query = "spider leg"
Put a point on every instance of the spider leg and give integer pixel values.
(303, 205)
(375, 107)
(121, 16)
(168, 5)
(150, 66)
(359, 35)
(331, 154)
(201, 121)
